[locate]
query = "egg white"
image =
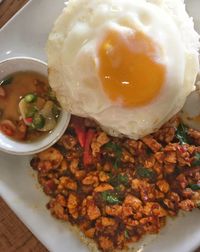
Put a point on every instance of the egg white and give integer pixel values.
(73, 60)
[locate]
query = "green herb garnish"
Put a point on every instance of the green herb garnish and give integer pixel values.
(117, 151)
(112, 198)
(194, 187)
(126, 234)
(149, 152)
(119, 180)
(38, 121)
(116, 163)
(114, 147)
(143, 172)
(31, 112)
(6, 81)
(181, 134)
(123, 179)
(119, 188)
(29, 98)
(196, 161)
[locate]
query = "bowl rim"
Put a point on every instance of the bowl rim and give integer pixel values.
(23, 58)
(39, 145)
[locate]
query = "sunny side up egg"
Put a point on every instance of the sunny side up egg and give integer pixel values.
(127, 64)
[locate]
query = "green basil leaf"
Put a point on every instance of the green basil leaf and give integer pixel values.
(143, 172)
(116, 163)
(196, 161)
(117, 151)
(114, 147)
(194, 187)
(119, 180)
(111, 197)
(6, 81)
(126, 234)
(181, 134)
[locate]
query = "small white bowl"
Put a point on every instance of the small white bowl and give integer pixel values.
(10, 146)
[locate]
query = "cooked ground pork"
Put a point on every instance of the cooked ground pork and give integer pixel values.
(117, 189)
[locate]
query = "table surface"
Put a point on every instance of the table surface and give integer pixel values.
(14, 236)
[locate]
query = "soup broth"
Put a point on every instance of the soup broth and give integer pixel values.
(28, 107)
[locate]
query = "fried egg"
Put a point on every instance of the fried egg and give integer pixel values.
(127, 64)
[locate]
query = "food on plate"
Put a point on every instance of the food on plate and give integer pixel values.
(28, 107)
(127, 64)
(128, 67)
(115, 190)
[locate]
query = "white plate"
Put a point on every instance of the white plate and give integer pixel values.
(25, 35)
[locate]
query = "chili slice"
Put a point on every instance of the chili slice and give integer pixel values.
(87, 155)
(80, 131)
(29, 120)
(8, 128)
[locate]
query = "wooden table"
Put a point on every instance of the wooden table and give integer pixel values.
(14, 236)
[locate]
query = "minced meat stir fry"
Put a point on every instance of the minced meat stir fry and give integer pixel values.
(117, 189)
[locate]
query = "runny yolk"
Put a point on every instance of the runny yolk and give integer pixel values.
(128, 70)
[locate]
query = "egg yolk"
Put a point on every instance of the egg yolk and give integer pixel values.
(128, 69)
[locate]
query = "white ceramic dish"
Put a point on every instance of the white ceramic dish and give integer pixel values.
(25, 35)
(18, 64)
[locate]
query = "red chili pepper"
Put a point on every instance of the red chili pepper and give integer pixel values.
(8, 128)
(29, 120)
(87, 155)
(80, 130)
(182, 149)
